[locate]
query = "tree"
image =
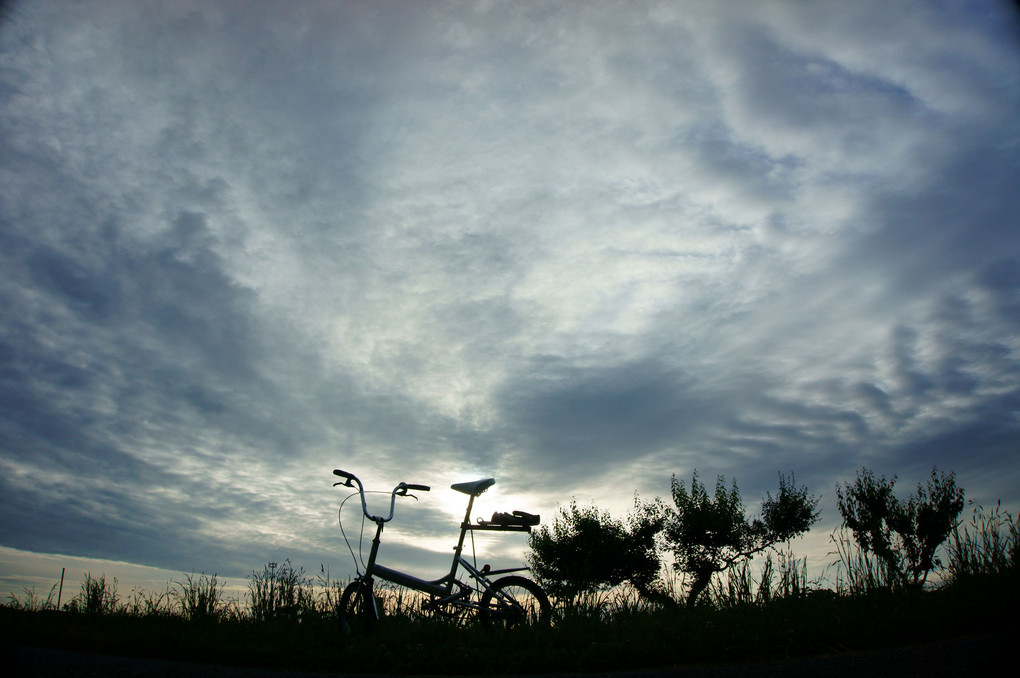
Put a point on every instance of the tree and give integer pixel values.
(709, 535)
(587, 550)
(903, 535)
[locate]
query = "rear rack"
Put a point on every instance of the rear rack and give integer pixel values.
(498, 528)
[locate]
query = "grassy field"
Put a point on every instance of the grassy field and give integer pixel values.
(288, 619)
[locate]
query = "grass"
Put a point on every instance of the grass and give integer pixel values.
(858, 572)
(988, 547)
(288, 619)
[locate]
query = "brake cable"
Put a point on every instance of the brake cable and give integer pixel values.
(339, 519)
(361, 536)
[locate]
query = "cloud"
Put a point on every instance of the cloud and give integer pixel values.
(578, 247)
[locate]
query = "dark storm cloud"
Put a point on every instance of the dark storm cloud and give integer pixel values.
(587, 426)
(584, 419)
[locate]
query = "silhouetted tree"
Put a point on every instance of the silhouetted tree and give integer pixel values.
(903, 535)
(708, 535)
(587, 550)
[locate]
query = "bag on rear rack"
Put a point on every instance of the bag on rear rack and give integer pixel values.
(515, 519)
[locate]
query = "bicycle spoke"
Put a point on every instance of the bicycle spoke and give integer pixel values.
(514, 601)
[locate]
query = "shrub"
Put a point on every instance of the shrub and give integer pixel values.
(903, 535)
(586, 550)
(709, 535)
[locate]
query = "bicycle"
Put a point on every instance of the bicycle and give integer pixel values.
(509, 601)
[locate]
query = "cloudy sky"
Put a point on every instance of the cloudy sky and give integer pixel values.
(575, 246)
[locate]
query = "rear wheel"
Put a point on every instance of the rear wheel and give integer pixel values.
(357, 612)
(514, 601)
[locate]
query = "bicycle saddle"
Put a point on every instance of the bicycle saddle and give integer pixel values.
(475, 487)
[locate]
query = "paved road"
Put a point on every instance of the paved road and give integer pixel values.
(976, 656)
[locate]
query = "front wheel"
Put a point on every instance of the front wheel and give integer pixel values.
(357, 613)
(514, 601)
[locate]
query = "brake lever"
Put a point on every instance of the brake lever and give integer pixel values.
(402, 492)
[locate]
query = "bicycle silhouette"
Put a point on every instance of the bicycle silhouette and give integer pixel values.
(509, 601)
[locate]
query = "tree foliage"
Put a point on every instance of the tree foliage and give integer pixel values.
(709, 534)
(587, 550)
(903, 535)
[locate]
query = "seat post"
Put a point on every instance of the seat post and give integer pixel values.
(464, 527)
(471, 489)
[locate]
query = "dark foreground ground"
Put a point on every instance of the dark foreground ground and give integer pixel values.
(983, 655)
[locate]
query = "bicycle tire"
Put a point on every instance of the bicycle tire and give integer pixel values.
(530, 604)
(357, 608)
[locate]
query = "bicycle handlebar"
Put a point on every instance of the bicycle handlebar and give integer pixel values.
(351, 480)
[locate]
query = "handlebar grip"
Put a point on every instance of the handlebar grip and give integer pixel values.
(349, 478)
(420, 488)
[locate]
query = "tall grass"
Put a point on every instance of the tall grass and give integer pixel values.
(987, 547)
(31, 601)
(598, 604)
(96, 596)
(280, 591)
(329, 592)
(200, 598)
(858, 572)
(151, 604)
(784, 576)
